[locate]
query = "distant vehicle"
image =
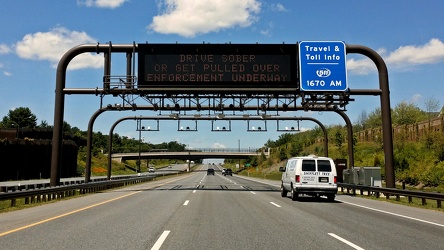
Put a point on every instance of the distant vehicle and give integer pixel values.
(151, 170)
(210, 171)
(311, 175)
(227, 171)
(223, 170)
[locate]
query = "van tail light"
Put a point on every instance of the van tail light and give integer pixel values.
(335, 179)
(297, 178)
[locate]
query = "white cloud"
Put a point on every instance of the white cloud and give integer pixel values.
(416, 98)
(268, 30)
(191, 17)
(218, 145)
(361, 66)
(6, 73)
(402, 58)
(51, 46)
(111, 4)
(429, 53)
(4, 49)
(278, 7)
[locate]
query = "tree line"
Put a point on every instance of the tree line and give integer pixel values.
(23, 118)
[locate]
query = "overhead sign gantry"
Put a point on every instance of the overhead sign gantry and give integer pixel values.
(214, 77)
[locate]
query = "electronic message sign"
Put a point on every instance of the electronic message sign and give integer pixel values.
(322, 66)
(217, 65)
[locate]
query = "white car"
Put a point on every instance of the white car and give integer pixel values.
(151, 170)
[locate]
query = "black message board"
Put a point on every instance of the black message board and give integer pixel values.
(217, 66)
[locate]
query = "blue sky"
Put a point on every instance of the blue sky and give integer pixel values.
(35, 34)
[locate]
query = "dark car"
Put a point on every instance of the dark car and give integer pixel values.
(210, 171)
(228, 171)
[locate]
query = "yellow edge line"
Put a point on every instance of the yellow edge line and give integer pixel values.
(76, 211)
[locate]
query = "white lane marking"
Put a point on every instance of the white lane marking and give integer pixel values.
(252, 192)
(345, 241)
(160, 241)
(399, 215)
(186, 202)
(274, 204)
(194, 191)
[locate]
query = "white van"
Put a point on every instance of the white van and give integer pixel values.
(311, 175)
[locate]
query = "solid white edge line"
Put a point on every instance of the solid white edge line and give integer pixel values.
(186, 202)
(345, 241)
(160, 241)
(399, 215)
(274, 204)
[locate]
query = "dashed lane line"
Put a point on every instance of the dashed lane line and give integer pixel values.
(161, 239)
(346, 241)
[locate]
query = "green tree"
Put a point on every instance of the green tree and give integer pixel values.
(374, 119)
(19, 118)
(432, 106)
(284, 139)
(174, 146)
(407, 113)
(44, 124)
(360, 124)
(282, 153)
(295, 148)
(338, 139)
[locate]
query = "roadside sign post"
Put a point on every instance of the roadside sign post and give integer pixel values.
(322, 66)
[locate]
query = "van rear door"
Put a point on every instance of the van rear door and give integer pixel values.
(317, 173)
(326, 176)
(308, 173)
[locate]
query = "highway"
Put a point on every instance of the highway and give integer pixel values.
(196, 211)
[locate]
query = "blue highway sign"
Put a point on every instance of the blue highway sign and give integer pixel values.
(322, 66)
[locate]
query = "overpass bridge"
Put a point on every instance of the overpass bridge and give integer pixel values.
(195, 154)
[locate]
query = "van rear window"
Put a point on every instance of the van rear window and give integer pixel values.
(308, 165)
(324, 166)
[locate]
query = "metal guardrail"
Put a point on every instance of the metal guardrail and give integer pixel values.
(387, 192)
(41, 193)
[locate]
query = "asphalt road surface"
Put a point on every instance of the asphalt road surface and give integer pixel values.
(200, 211)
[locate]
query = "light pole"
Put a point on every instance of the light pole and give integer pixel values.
(238, 146)
(140, 128)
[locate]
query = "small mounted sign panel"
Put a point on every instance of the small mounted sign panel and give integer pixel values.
(322, 66)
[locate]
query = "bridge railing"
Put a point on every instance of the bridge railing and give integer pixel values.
(228, 150)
